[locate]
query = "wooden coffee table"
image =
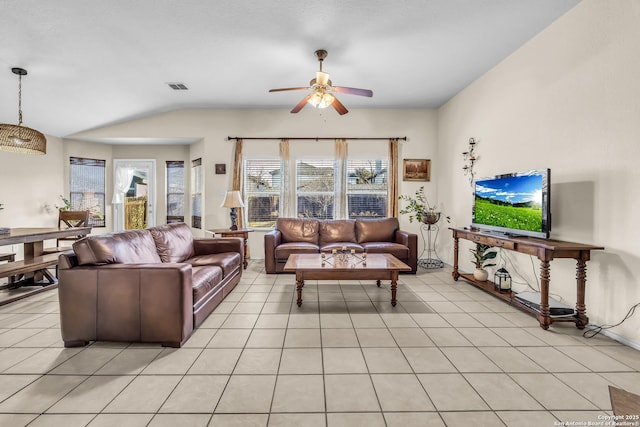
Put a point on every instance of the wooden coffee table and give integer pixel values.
(355, 267)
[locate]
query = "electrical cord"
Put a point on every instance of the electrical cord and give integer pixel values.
(596, 329)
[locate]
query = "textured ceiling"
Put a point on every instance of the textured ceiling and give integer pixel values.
(93, 63)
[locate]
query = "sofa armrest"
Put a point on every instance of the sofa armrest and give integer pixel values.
(126, 302)
(218, 245)
(409, 240)
(271, 240)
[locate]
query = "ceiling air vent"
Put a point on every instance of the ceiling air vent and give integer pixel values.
(178, 86)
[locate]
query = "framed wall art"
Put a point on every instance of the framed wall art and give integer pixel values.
(416, 170)
(221, 168)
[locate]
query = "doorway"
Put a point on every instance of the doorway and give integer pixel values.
(134, 194)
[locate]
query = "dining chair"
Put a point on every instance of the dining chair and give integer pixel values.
(69, 219)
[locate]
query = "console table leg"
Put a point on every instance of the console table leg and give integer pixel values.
(299, 285)
(455, 273)
(378, 283)
(581, 280)
(544, 318)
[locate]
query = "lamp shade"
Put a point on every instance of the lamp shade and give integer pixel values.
(232, 200)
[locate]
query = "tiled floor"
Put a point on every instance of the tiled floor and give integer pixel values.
(448, 354)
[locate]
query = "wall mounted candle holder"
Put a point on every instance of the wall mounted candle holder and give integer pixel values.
(470, 159)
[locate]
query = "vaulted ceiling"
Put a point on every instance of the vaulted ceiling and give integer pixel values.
(92, 63)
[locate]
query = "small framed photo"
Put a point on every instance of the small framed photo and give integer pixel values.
(221, 168)
(416, 170)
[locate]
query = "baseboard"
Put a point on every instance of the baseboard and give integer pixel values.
(621, 339)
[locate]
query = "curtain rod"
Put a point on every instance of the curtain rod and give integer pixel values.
(232, 138)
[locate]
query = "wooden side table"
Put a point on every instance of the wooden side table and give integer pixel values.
(240, 232)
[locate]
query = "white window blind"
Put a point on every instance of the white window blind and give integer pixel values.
(367, 188)
(315, 188)
(175, 191)
(262, 188)
(87, 188)
(196, 193)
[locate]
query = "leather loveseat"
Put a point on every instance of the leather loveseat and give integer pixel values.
(310, 236)
(154, 285)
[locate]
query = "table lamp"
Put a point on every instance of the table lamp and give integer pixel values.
(233, 200)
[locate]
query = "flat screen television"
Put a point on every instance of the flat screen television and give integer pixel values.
(515, 203)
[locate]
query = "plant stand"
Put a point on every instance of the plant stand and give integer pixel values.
(432, 259)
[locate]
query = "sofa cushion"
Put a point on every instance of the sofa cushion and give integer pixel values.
(127, 247)
(227, 261)
(174, 242)
(283, 251)
(205, 279)
(396, 249)
(298, 230)
(340, 245)
(376, 230)
(337, 230)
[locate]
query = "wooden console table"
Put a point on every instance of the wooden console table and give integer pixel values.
(545, 250)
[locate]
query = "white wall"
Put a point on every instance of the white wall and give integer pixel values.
(568, 100)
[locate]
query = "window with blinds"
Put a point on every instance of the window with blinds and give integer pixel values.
(315, 188)
(262, 187)
(87, 188)
(196, 193)
(175, 191)
(367, 187)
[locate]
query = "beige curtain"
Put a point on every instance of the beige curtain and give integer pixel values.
(287, 203)
(237, 178)
(392, 200)
(341, 178)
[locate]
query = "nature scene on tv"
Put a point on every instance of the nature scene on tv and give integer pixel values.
(510, 202)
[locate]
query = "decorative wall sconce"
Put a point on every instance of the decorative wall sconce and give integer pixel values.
(470, 158)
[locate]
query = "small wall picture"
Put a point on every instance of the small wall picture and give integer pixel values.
(221, 168)
(416, 170)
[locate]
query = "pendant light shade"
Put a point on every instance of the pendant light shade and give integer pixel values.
(19, 138)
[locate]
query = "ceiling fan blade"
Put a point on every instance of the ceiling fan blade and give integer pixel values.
(288, 88)
(353, 91)
(301, 104)
(340, 108)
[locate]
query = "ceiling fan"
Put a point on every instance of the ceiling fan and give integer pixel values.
(322, 91)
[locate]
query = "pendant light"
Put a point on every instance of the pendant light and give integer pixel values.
(19, 138)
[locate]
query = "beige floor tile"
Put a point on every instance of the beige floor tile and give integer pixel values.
(443, 307)
(195, 394)
(594, 359)
(230, 338)
(552, 393)
(482, 337)
(10, 384)
(592, 386)
(304, 321)
(183, 420)
(239, 420)
(266, 338)
(411, 337)
(14, 336)
(146, 393)
(386, 361)
(129, 361)
(335, 320)
(518, 337)
(339, 338)
(16, 420)
(302, 338)
(215, 361)
(200, 338)
(401, 393)
(87, 361)
(12, 356)
(240, 321)
(39, 395)
(301, 361)
(215, 320)
(627, 355)
(254, 361)
(461, 320)
(555, 336)
(343, 361)
(298, 393)
(491, 320)
(255, 297)
(59, 420)
(469, 359)
(527, 419)
(398, 320)
(413, 419)
(376, 338)
(92, 396)
(249, 394)
(355, 420)
(629, 381)
(462, 419)
(451, 392)
(510, 359)
(367, 320)
(474, 307)
(502, 393)
(297, 420)
(43, 361)
(552, 359)
(247, 308)
(362, 307)
(172, 361)
(46, 338)
(350, 393)
(447, 337)
(121, 420)
(272, 321)
(428, 360)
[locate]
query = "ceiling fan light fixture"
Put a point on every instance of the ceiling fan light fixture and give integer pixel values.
(321, 99)
(19, 138)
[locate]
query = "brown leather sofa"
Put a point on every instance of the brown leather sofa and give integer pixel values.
(311, 236)
(154, 285)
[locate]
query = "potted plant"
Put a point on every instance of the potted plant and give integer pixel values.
(483, 256)
(419, 208)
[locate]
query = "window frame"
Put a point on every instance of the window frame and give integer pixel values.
(248, 192)
(97, 220)
(174, 164)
